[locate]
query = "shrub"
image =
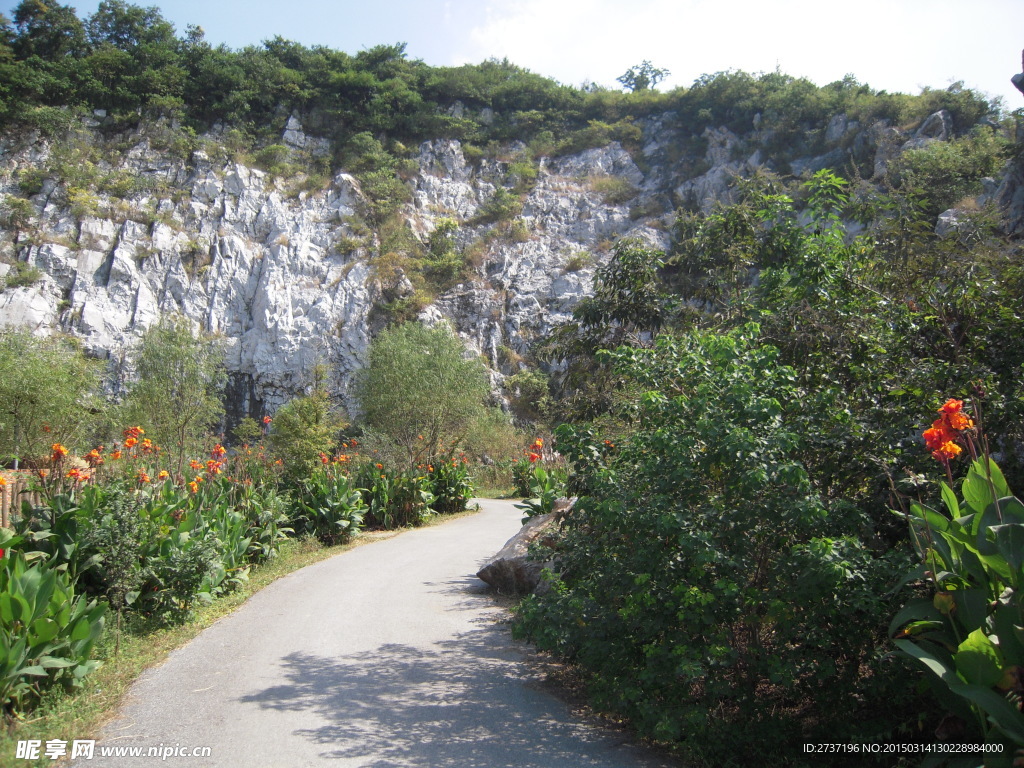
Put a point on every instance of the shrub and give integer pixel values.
(47, 632)
(704, 584)
(419, 389)
(330, 508)
(450, 484)
(303, 429)
(944, 172)
(502, 206)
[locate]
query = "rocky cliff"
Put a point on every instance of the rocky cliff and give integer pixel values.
(289, 277)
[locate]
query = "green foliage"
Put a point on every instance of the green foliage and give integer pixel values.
(47, 632)
(419, 389)
(944, 172)
(48, 391)
(503, 205)
(545, 487)
(967, 632)
(629, 304)
(642, 77)
(530, 394)
(450, 484)
(330, 507)
(21, 275)
(395, 499)
(176, 393)
(730, 592)
(303, 429)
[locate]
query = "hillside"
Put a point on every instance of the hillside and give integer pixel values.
(296, 200)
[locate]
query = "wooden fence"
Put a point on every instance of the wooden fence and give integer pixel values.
(11, 496)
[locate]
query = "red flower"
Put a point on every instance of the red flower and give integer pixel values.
(267, 419)
(534, 457)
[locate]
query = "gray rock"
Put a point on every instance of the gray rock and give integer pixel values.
(512, 570)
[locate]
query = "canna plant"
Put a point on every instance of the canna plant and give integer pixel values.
(331, 508)
(47, 632)
(451, 484)
(969, 631)
(545, 488)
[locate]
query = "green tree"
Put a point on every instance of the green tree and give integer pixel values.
(419, 389)
(48, 394)
(177, 393)
(642, 77)
(304, 428)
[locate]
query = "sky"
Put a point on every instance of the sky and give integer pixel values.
(893, 45)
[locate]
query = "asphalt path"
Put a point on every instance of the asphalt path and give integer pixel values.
(390, 655)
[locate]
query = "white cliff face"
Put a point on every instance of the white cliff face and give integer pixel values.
(276, 274)
(286, 277)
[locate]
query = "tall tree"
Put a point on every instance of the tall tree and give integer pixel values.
(48, 394)
(180, 379)
(419, 388)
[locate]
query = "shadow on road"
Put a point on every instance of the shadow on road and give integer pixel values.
(469, 702)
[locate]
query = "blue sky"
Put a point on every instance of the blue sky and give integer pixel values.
(895, 45)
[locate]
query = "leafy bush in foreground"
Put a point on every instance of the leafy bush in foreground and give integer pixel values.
(47, 632)
(716, 598)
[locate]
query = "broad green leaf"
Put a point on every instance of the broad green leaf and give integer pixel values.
(53, 662)
(1001, 713)
(952, 504)
(936, 665)
(916, 610)
(977, 491)
(978, 660)
(1009, 539)
(45, 629)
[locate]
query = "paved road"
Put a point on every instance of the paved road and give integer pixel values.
(391, 655)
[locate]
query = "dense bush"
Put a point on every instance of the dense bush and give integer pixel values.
(714, 594)
(47, 631)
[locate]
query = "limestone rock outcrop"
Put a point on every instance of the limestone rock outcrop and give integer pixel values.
(285, 268)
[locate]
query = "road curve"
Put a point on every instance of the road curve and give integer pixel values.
(390, 655)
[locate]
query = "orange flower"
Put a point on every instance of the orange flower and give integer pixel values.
(938, 435)
(93, 457)
(947, 451)
(534, 457)
(3, 481)
(194, 486)
(115, 454)
(324, 458)
(267, 419)
(195, 465)
(164, 474)
(59, 452)
(379, 466)
(941, 438)
(218, 451)
(135, 432)
(143, 477)
(213, 467)
(131, 442)
(75, 474)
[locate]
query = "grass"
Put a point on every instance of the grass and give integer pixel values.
(80, 715)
